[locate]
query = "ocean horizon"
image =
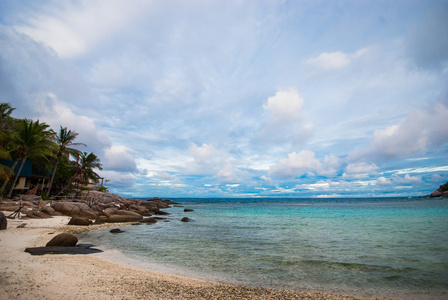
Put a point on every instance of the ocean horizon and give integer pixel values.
(383, 246)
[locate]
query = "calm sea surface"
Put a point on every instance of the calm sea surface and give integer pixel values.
(363, 246)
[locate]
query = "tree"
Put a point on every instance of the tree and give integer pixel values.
(87, 164)
(5, 171)
(32, 139)
(6, 135)
(65, 139)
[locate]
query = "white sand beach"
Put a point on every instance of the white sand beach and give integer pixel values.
(24, 276)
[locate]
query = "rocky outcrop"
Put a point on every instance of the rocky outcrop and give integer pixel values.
(442, 191)
(91, 205)
(63, 240)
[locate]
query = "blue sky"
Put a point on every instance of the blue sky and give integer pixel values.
(239, 98)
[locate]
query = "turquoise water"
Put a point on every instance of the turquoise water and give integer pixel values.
(382, 247)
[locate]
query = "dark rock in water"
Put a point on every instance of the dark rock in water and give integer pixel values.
(79, 221)
(163, 213)
(116, 230)
(3, 221)
(188, 209)
(63, 240)
(149, 221)
(185, 219)
(80, 249)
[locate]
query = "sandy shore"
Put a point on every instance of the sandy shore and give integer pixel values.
(24, 276)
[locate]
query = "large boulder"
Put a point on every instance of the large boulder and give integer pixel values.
(3, 221)
(48, 210)
(37, 215)
(67, 208)
(63, 240)
(79, 221)
(73, 209)
(141, 210)
(124, 216)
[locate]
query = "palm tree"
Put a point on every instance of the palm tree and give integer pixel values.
(5, 171)
(32, 139)
(5, 115)
(6, 136)
(88, 162)
(64, 141)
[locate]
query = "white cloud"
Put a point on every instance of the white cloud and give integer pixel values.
(226, 173)
(286, 104)
(207, 160)
(284, 124)
(73, 28)
(360, 170)
(56, 114)
(119, 158)
(417, 134)
(330, 61)
(295, 165)
(383, 181)
(303, 162)
(407, 179)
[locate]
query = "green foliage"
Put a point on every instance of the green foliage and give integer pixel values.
(50, 153)
(104, 189)
(444, 187)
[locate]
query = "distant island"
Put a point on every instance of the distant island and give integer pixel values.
(442, 191)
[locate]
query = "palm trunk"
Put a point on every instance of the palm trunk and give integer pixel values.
(53, 174)
(17, 177)
(7, 179)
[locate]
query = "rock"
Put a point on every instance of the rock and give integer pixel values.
(160, 212)
(21, 225)
(436, 193)
(80, 221)
(67, 208)
(124, 216)
(63, 240)
(48, 210)
(116, 230)
(139, 209)
(188, 209)
(79, 249)
(88, 214)
(185, 219)
(3, 221)
(37, 215)
(149, 221)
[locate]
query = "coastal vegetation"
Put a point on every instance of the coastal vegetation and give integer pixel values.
(52, 156)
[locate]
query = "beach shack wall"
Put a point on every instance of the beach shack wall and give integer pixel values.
(27, 180)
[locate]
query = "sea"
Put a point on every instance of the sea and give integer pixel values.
(382, 247)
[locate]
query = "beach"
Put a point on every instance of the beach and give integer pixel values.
(92, 276)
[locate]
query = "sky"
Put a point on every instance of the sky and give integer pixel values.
(239, 98)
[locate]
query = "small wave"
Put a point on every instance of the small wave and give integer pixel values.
(357, 266)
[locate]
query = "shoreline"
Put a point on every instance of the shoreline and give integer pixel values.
(96, 277)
